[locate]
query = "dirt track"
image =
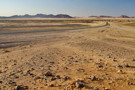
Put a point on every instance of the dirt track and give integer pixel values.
(91, 58)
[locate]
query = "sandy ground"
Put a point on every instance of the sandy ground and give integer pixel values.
(101, 58)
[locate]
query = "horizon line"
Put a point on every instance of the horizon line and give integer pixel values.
(66, 14)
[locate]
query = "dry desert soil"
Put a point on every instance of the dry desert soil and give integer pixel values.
(67, 54)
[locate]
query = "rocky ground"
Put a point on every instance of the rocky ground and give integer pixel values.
(101, 58)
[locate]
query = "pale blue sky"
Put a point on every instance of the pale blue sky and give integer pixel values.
(71, 7)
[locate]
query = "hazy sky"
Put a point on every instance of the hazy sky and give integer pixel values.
(71, 7)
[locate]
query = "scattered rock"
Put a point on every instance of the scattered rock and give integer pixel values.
(109, 56)
(130, 83)
(65, 78)
(52, 84)
(85, 74)
(80, 70)
(105, 73)
(126, 65)
(16, 76)
(25, 73)
(120, 71)
(91, 59)
(53, 78)
(37, 77)
(52, 62)
(100, 66)
(0, 82)
(106, 88)
(100, 60)
(72, 58)
(48, 73)
(120, 66)
(0, 71)
(65, 68)
(75, 61)
(79, 84)
(20, 87)
(115, 60)
(12, 83)
(93, 78)
(96, 88)
(42, 66)
(6, 51)
(58, 76)
(31, 74)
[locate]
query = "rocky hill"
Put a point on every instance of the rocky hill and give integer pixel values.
(124, 16)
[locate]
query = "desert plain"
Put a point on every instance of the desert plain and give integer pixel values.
(67, 54)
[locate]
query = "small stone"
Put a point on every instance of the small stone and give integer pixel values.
(85, 74)
(91, 59)
(58, 76)
(76, 61)
(100, 66)
(25, 73)
(42, 66)
(93, 78)
(65, 68)
(105, 74)
(96, 88)
(52, 62)
(16, 76)
(31, 74)
(120, 71)
(0, 71)
(48, 73)
(79, 84)
(120, 66)
(106, 88)
(20, 87)
(130, 83)
(0, 82)
(12, 83)
(6, 51)
(115, 60)
(51, 85)
(133, 59)
(100, 60)
(126, 65)
(65, 78)
(71, 57)
(53, 78)
(37, 77)
(109, 56)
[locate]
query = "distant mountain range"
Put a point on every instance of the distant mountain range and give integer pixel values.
(40, 16)
(103, 16)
